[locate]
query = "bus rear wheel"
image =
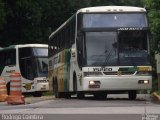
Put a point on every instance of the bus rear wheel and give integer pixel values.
(55, 88)
(74, 82)
(132, 95)
(100, 95)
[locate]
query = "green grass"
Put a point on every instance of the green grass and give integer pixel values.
(49, 93)
(154, 84)
(158, 92)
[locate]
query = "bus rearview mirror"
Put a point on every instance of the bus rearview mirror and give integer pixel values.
(73, 52)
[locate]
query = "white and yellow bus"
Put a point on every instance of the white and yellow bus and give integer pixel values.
(31, 60)
(101, 50)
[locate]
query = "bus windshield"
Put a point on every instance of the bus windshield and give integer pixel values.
(114, 20)
(41, 66)
(116, 48)
(33, 62)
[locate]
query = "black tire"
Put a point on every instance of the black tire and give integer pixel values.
(37, 94)
(8, 88)
(74, 82)
(67, 95)
(80, 95)
(132, 95)
(55, 88)
(100, 95)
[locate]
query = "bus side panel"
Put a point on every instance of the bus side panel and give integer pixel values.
(67, 57)
(61, 70)
(7, 71)
(118, 83)
(60, 78)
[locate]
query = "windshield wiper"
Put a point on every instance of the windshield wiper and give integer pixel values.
(107, 58)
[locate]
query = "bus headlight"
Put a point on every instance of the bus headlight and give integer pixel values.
(94, 84)
(91, 82)
(143, 82)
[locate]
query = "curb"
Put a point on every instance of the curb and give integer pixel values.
(30, 100)
(154, 94)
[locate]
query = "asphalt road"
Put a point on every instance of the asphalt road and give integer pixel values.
(114, 107)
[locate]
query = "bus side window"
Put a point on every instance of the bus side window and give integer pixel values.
(10, 57)
(29, 70)
(80, 49)
(8, 61)
(2, 60)
(67, 36)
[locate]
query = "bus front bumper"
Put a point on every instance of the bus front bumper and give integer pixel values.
(117, 83)
(41, 84)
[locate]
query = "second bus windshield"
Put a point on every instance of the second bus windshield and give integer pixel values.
(33, 62)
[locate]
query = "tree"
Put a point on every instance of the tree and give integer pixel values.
(153, 7)
(2, 15)
(32, 21)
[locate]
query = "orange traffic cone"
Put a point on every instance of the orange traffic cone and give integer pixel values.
(15, 96)
(3, 90)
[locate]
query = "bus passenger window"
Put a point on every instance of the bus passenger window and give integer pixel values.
(10, 57)
(80, 49)
(8, 61)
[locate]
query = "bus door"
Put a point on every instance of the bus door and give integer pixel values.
(27, 72)
(7, 63)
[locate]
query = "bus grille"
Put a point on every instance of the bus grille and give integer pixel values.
(119, 73)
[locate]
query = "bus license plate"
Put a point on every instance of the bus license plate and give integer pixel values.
(43, 88)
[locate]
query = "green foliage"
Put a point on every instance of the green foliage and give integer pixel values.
(2, 15)
(32, 21)
(49, 93)
(153, 7)
(158, 92)
(154, 84)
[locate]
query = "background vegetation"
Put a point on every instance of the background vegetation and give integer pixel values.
(32, 21)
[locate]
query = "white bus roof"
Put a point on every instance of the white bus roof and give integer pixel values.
(112, 9)
(24, 45)
(31, 45)
(109, 9)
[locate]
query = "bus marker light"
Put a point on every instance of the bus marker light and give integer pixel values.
(91, 83)
(143, 81)
(146, 81)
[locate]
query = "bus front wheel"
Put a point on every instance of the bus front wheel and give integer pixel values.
(80, 95)
(132, 95)
(100, 95)
(37, 94)
(55, 89)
